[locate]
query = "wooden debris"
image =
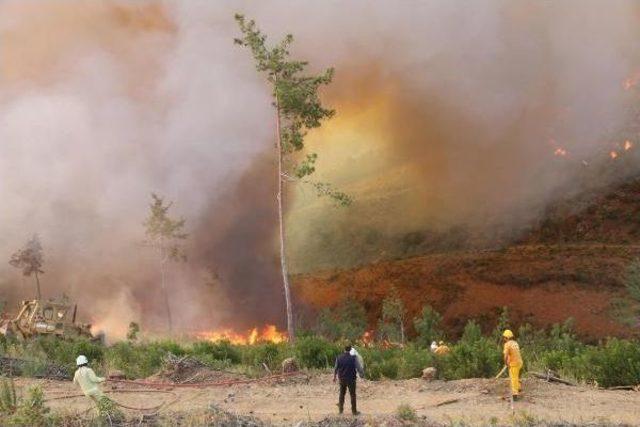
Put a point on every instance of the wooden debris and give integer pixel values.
(552, 378)
(625, 387)
(10, 366)
(446, 402)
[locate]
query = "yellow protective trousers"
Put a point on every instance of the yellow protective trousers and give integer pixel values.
(514, 376)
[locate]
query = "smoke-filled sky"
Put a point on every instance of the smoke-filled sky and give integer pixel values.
(448, 112)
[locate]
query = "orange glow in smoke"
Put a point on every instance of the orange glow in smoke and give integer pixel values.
(628, 145)
(613, 154)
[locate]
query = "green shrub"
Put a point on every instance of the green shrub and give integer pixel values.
(405, 412)
(616, 363)
(315, 352)
(167, 346)
(222, 350)
(63, 352)
(136, 361)
(389, 368)
(8, 399)
(414, 360)
(391, 325)
(381, 362)
(557, 349)
(269, 353)
(108, 412)
(473, 356)
(31, 411)
(428, 326)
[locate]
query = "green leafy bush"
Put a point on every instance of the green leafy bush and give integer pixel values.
(405, 412)
(414, 360)
(31, 411)
(391, 325)
(558, 349)
(427, 326)
(473, 356)
(109, 413)
(615, 363)
(269, 353)
(64, 352)
(315, 352)
(222, 350)
(137, 361)
(8, 399)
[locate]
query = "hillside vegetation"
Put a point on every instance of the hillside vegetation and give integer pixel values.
(570, 263)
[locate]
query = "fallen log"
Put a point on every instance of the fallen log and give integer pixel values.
(551, 378)
(446, 402)
(625, 387)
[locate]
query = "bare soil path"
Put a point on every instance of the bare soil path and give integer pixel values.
(313, 398)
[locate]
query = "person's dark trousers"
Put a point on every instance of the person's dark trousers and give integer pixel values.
(351, 385)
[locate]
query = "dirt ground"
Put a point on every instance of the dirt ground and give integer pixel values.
(313, 397)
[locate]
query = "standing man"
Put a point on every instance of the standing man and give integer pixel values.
(88, 380)
(346, 368)
(513, 361)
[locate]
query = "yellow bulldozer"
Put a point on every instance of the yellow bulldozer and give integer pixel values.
(38, 317)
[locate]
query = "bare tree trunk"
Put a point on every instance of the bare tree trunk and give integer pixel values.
(283, 259)
(166, 295)
(38, 286)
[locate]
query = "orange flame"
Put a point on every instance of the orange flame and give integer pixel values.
(560, 152)
(631, 81)
(613, 154)
(269, 333)
(628, 145)
(367, 338)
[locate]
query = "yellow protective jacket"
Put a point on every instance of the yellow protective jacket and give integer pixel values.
(88, 381)
(441, 350)
(512, 355)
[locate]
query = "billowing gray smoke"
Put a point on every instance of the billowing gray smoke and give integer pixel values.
(102, 103)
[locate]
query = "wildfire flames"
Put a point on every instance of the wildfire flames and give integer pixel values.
(269, 333)
(613, 154)
(560, 152)
(631, 82)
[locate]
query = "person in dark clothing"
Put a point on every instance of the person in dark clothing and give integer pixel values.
(345, 370)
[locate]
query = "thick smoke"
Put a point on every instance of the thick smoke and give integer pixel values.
(448, 114)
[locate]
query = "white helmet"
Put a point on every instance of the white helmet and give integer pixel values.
(81, 360)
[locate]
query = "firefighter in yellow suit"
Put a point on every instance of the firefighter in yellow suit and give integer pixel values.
(513, 360)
